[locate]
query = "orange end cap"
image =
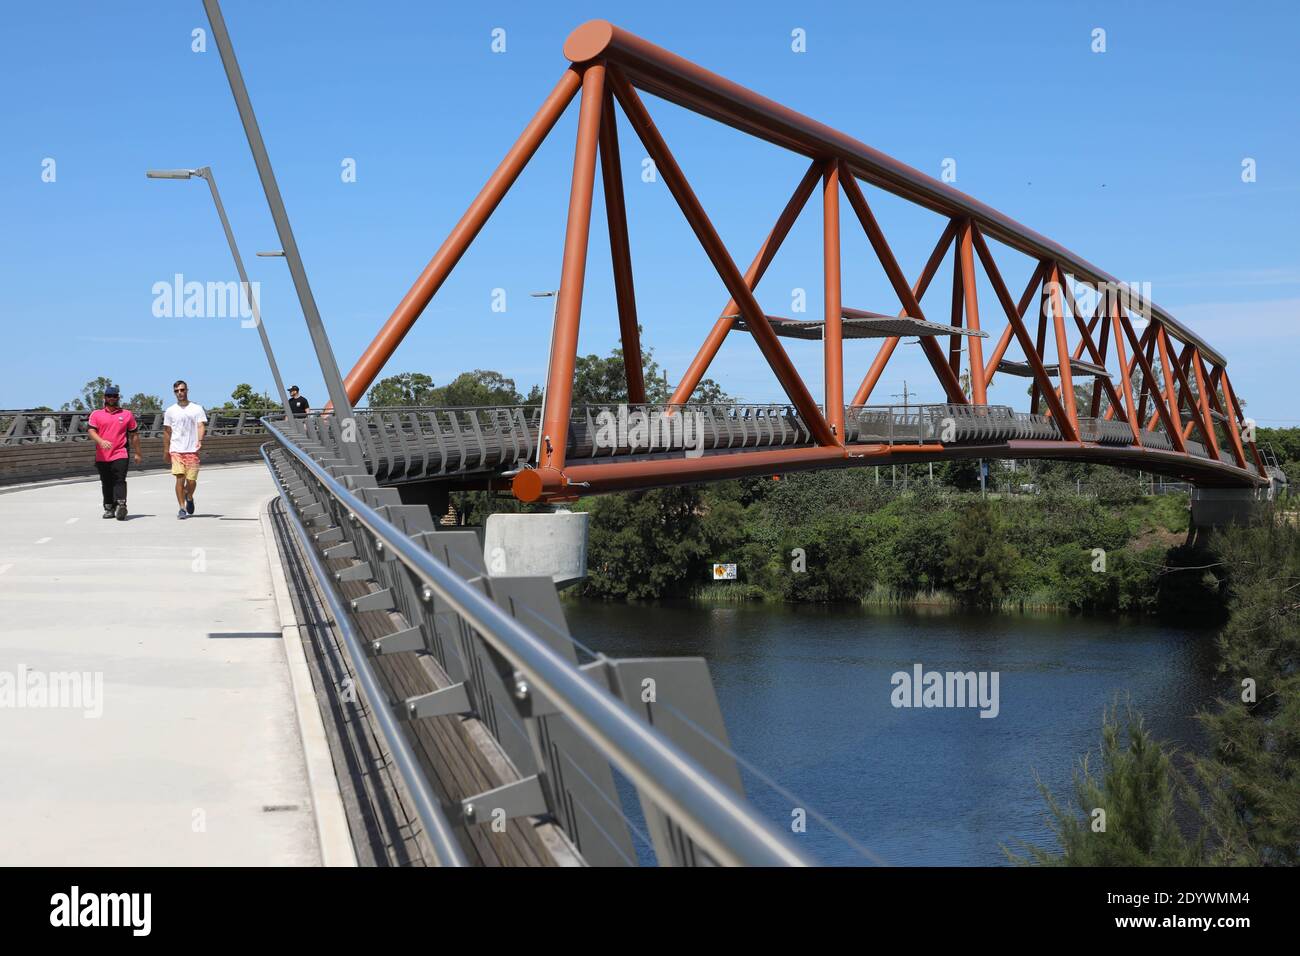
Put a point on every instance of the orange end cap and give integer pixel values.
(527, 485)
(588, 41)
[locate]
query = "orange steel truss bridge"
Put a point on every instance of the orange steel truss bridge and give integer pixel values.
(1161, 399)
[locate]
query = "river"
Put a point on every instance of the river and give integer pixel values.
(806, 695)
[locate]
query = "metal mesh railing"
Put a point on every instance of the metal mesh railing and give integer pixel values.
(504, 645)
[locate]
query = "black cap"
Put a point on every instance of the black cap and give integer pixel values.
(294, 388)
(112, 390)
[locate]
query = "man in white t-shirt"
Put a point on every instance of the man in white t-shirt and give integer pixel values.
(183, 427)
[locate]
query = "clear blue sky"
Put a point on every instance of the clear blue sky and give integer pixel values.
(1131, 158)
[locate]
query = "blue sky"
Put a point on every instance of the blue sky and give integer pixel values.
(1132, 158)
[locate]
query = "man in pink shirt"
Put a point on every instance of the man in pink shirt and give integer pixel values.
(109, 428)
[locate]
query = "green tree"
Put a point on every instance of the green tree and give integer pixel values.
(91, 397)
(403, 389)
(1252, 771)
(480, 388)
(1141, 795)
(243, 398)
(140, 402)
(646, 545)
(980, 563)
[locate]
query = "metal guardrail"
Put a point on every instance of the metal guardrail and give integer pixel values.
(706, 811)
(33, 426)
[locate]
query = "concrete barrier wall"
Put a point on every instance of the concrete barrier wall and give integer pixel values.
(65, 459)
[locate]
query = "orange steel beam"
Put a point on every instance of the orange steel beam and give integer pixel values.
(1068, 426)
(611, 171)
(568, 307)
(1149, 377)
(627, 475)
(918, 292)
(1235, 409)
(1233, 432)
(1005, 340)
(1171, 392)
(1130, 411)
(1063, 348)
(951, 385)
(979, 395)
(721, 259)
(1098, 356)
(690, 381)
(833, 330)
(958, 290)
(379, 351)
(1202, 425)
(1040, 344)
(1203, 394)
(1132, 363)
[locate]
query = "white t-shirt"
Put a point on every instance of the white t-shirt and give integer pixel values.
(184, 423)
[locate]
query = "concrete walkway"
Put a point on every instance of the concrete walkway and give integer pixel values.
(196, 758)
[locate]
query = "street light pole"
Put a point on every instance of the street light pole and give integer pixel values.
(324, 352)
(205, 172)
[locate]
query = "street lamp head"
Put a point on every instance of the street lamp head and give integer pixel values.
(171, 173)
(543, 295)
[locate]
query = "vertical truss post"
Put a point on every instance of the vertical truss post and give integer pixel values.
(958, 290)
(1063, 348)
(620, 251)
(766, 253)
(833, 334)
(568, 306)
(976, 346)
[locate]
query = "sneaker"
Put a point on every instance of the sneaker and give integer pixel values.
(181, 514)
(121, 511)
(189, 506)
(109, 511)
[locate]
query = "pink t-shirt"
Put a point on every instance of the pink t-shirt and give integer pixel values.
(113, 427)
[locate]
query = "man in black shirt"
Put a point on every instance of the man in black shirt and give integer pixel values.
(297, 404)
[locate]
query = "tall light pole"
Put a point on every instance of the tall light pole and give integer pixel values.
(551, 294)
(320, 341)
(205, 172)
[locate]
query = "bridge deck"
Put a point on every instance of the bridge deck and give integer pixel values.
(197, 758)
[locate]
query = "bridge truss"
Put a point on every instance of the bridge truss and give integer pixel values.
(1169, 393)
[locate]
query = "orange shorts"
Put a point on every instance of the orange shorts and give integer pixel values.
(186, 463)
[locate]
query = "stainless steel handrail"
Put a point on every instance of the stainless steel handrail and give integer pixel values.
(709, 812)
(427, 806)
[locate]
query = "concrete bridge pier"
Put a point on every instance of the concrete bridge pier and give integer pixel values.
(1217, 507)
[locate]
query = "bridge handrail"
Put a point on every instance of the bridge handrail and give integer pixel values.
(707, 810)
(427, 807)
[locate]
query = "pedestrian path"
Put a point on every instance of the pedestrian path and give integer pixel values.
(146, 712)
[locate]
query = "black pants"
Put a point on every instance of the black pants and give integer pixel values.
(112, 479)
